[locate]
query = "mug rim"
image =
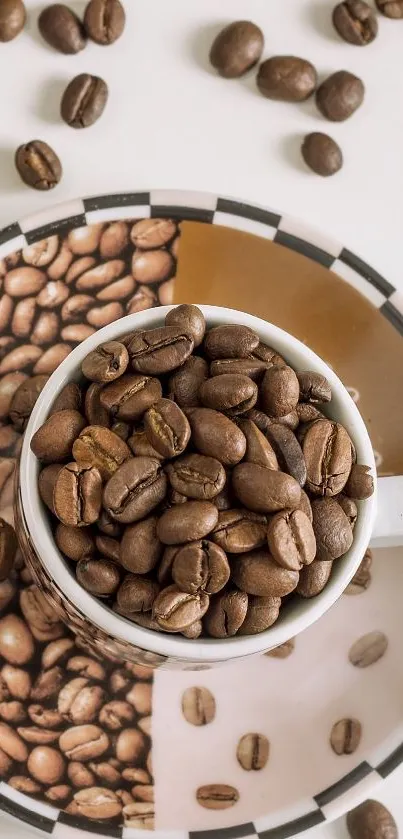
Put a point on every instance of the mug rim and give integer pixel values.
(173, 645)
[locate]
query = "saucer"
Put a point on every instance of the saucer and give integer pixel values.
(269, 746)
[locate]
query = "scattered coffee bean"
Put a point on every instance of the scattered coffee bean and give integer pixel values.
(345, 736)
(362, 578)
(371, 820)
(253, 751)
(368, 649)
(355, 22)
(84, 100)
(38, 165)
(322, 154)
(198, 706)
(217, 796)
(62, 29)
(104, 21)
(283, 650)
(340, 95)
(236, 49)
(12, 19)
(287, 78)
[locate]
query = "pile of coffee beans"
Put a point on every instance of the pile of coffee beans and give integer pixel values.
(193, 481)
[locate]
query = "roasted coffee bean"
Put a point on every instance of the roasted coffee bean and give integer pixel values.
(362, 578)
(267, 354)
(313, 578)
(187, 522)
(332, 529)
(150, 233)
(8, 548)
(12, 19)
(95, 412)
(24, 400)
(217, 796)
(98, 576)
(345, 736)
(84, 100)
(328, 455)
(190, 319)
(226, 614)
(371, 819)
(46, 484)
(26, 785)
(46, 765)
(257, 573)
(140, 548)
(135, 489)
(239, 531)
(130, 396)
(41, 253)
(101, 448)
(77, 495)
(360, 484)
(83, 742)
(230, 341)
(264, 490)
(197, 476)
(251, 367)
(114, 240)
(258, 448)
(74, 543)
(160, 350)
(215, 435)
(280, 391)
(349, 507)
(262, 613)
(62, 29)
(322, 154)
(184, 384)
(288, 450)
(355, 22)
(253, 751)
(38, 165)
(368, 649)
(9, 384)
(104, 21)
(53, 441)
(174, 609)
(200, 566)
(41, 617)
(108, 526)
(167, 428)
(51, 358)
(340, 95)
(122, 429)
(107, 547)
(231, 393)
(198, 706)
(141, 446)
(236, 49)
(287, 78)
(313, 387)
(291, 539)
(69, 399)
(16, 683)
(391, 8)
(106, 363)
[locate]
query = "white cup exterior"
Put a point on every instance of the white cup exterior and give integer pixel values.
(296, 617)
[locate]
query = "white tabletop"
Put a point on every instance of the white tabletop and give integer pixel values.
(171, 122)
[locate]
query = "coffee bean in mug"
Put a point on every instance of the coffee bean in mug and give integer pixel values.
(184, 383)
(104, 21)
(360, 484)
(339, 96)
(77, 495)
(226, 614)
(106, 363)
(197, 476)
(53, 442)
(322, 154)
(371, 820)
(12, 19)
(257, 573)
(174, 610)
(355, 22)
(62, 29)
(262, 613)
(287, 78)
(237, 48)
(190, 319)
(84, 100)
(38, 165)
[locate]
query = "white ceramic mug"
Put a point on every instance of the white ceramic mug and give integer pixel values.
(379, 522)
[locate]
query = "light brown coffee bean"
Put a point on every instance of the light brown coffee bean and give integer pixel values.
(56, 652)
(291, 539)
(362, 578)
(187, 522)
(106, 363)
(13, 712)
(130, 745)
(49, 360)
(7, 592)
(174, 609)
(226, 614)
(24, 400)
(253, 751)
(85, 666)
(85, 240)
(360, 484)
(217, 796)
(116, 714)
(107, 547)
(197, 476)
(101, 448)
(47, 684)
(46, 765)
(100, 276)
(141, 447)
(313, 578)
(100, 577)
(20, 358)
(12, 19)
(151, 266)
(332, 529)
(140, 696)
(368, 649)
(75, 307)
(79, 702)
(25, 785)
(76, 332)
(53, 295)
(200, 566)
(6, 310)
(47, 718)
(152, 233)
(24, 281)
(167, 428)
(69, 399)
(77, 495)
(12, 744)
(144, 298)
(40, 615)
(262, 613)
(345, 736)
(239, 531)
(5, 764)
(114, 240)
(328, 455)
(96, 414)
(62, 29)
(257, 573)
(140, 547)
(264, 490)
(104, 20)
(41, 253)
(258, 448)
(53, 441)
(57, 270)
(58, 793)
(83, 742)
(9, 384)
(17, 681)
(100, 316)
(16, 642)
(79, 774)
(371, 819)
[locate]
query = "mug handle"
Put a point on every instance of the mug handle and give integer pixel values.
(388, 528)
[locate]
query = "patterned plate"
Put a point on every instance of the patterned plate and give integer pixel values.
(267, 747)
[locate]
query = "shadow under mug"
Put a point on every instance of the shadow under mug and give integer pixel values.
(379, 517)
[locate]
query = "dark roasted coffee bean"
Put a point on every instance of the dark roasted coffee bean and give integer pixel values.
(257, 573)
(98, 446)
(200, 566)
(313, 578)
(62, 29)
(108, 526)
(322, 154)
(135, 489)
(328, 456)
(130, 396)
(98, 576)
(38, 165)
(8, 549)
(141, 446)
(231, 393)
(226, 614)
(84, 100)
(190, 319)
(167, 428)
(291, 539)
(104, 21)
(258, 448)
(70, 399)
(360, 484)
(106, 363)
(215, 435)
(12, 19)
(174, 609)
(279, 391)
(140, 548)
(77, 495)
(349, 507)
(251, 367)
(264, 490)
(333, 531)
(345, 736)
(261, 420)
(239, 531)
(230, 340)
(160, 350)
(122, 429)
(287, 78)
(362, 578)
(184, 384)
(371, 819)
(187, 522)
(96, 414)
(75, 543)
(340, 95)
(237, 48)
(391, 8)
(288, 451)
(197, 476)
(355, 22)
(24, 400)
(262, 613)
(137, 594)
(313, 387)
(46, 484)
(53, 442)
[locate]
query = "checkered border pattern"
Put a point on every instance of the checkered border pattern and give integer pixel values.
(288, 232)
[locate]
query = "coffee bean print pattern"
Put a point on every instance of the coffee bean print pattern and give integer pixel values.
(368, 649)
(198, 706)
(345, 736)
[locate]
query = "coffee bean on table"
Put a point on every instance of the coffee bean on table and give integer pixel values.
(217, 796)
(104, 21)
(62, 29)
(391, 8)
(84, 100)
(237, 48)
(345, 736)
(106, 363)
(291, 539)
(355, 22)
(339, 96)
(360, 484)
(283, 650)
(322, 154)
(362, 578)
(287, 78)
(371, 820)
(53, 441)
(12, 19)
(253, 751)
(38, 165)
(226, 614)
(368, 649)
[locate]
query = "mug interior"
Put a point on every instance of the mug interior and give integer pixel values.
(295, 616)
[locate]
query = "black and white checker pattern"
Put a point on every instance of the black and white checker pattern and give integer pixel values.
(288, 232)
